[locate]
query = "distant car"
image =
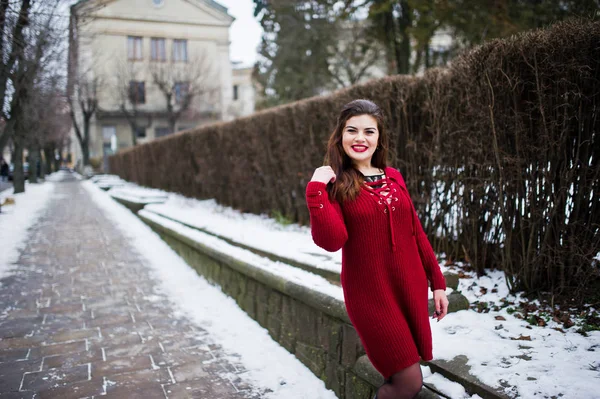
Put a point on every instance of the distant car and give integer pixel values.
(11, 169)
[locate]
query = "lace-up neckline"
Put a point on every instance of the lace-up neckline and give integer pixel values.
(387, 195)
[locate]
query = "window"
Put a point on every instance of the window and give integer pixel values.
(107, 133)
(140, 132)
(180, 50)
(134, 47)
(182, 128)
(157, 49)
(161, 131)
(235, 92)
(109, 140)
(137, 92)
(181, 91)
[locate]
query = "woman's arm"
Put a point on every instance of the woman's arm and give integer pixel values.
(430, 263)
(326, 220)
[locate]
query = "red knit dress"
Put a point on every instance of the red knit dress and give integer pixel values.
(386, 263)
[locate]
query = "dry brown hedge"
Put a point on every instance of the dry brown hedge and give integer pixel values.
(500, 151)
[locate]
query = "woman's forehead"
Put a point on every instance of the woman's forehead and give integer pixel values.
(362, 121)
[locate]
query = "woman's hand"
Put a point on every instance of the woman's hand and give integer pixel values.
(441, 304)
(324, 174)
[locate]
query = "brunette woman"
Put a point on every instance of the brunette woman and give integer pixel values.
(361, 205)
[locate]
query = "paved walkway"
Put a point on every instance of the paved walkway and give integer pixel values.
(4, 185)
(80, 318)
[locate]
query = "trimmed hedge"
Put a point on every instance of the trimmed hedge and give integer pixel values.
(500, 151)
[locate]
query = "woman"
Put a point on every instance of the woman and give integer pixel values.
(359, 204)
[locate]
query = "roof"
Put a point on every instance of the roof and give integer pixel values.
(210, 3)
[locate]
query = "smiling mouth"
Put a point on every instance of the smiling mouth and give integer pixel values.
(359, 148)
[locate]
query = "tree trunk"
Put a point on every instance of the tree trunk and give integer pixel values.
(86, 155)
(134, 128)
(42, 164)
(48, 157)
(4, 137)
(33, 164)
(57, 161)
(18, 175)
(403, 49)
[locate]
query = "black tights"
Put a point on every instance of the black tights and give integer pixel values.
(405, 384)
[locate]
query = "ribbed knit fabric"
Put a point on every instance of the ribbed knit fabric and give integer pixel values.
(386, 263)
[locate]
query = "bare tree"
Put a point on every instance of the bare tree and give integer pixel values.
(186, 87)
(48, 124)
(82, 84)
(126, 94)
(82, 97)
(39, 53)
(12, 40)
(354, 54)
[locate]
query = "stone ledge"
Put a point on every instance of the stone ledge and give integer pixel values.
(457, 370)
(135, 204)
(328, 274)
(451, 278)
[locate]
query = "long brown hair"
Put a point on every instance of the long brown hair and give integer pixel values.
(348, 179)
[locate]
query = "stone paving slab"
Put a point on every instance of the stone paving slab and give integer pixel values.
(80, 317)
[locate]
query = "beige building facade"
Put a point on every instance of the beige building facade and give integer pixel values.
(155, 67)
(244, 93)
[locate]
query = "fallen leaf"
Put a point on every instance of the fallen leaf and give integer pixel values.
(522, 338)
(541, 322)
(568, 324)
(559, 330)
(500, 318)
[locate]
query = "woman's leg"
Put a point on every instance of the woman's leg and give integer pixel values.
(405, 384)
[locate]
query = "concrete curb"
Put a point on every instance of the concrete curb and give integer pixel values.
(134, 206)
(457, 370)
(328, 274)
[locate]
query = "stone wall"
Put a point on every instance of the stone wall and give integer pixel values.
(313, 326)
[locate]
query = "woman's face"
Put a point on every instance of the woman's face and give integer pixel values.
(359, 139)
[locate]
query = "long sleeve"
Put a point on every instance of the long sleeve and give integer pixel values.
(326, 220)
(430, 263)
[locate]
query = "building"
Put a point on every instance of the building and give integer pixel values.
(151, 68)
(244, 93)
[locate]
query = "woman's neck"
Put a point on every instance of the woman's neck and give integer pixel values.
(368, 170)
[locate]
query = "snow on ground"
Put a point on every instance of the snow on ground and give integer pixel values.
(450, 388)
(260, 232)
(268, 365)
(528, 358)
(15, 220)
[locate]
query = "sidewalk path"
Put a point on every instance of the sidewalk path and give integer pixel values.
(80, 318)
(4, 185)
